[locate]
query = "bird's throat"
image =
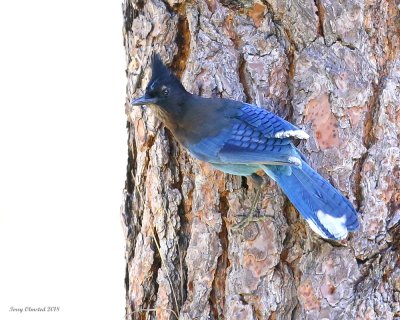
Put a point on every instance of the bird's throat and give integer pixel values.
(165, 116)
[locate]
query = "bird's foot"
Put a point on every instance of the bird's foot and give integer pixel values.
(250, 219)
(249, 227)
(247, 220)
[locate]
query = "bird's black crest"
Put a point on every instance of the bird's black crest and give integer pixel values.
(160, 73)
(158, 68)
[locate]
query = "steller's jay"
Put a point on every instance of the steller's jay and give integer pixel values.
(240, 139)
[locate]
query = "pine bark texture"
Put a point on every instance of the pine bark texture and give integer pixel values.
(332, 68)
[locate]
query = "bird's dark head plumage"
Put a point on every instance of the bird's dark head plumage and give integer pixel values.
(164, 88)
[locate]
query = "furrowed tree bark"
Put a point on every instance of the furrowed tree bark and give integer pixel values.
(332, 68)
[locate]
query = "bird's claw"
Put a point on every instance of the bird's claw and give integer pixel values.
(247, 220)
(251, 218)
(249, 226)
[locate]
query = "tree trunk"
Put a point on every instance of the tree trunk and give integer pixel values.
(330, 67)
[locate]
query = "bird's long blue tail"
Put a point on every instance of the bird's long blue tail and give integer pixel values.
(327, 211)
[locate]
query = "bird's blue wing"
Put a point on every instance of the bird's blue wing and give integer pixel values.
(254, 136)
(247, 144)
(259, 136)
(269, 124)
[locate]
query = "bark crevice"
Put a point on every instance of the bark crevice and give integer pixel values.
(217, 294)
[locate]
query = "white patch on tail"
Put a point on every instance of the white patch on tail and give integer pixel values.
(315, 228)
(336, 226)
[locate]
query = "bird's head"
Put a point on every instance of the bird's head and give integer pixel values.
(164, 88)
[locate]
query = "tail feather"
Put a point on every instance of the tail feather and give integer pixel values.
(326, 210)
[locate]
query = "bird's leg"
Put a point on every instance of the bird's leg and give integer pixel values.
(260, 184)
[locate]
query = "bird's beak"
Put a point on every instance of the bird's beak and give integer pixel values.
(143, 100)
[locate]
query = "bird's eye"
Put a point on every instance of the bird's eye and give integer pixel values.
(165, 92)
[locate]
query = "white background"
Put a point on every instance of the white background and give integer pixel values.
(62, 158)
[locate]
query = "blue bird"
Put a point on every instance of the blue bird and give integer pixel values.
(241, 139)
